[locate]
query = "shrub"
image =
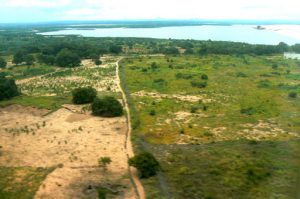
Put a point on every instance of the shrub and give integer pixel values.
(194, 109)
(183, 76)
(248, 111)
(84, 95)
(275, 66)
(204, 77)
(8, 88)
(154, 66)
(241, 74)
(146, 164)
(264, 84)
(292, 94)
(104, 161)
(160, 83)
(152, 112)
(98, 62)
(198, 84)
(107, 107)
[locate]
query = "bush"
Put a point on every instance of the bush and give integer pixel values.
(98, 62)
(204, 77)
(264, 84)
(146, 164)
(152, 112)
(160, 83)
(104, 161)
(248, 111)
(194, 109)
(198, 84)
(8, 88)
(183, 76)
(107, 107)
(241, 74)
(84, 95)
(154, 66)
(292, 94)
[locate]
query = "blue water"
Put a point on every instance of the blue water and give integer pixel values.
(237, 33)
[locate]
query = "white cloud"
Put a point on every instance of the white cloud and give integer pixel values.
(167, 9)
(81, 12)
(187, 9)
(37, 3)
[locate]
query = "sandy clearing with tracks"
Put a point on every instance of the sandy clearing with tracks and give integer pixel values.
(75, 141)
(72, 140)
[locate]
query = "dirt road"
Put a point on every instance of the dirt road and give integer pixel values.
(128, 145)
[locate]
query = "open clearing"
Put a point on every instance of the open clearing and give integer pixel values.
(72, 142)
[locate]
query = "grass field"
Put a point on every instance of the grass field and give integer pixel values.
(222, 126)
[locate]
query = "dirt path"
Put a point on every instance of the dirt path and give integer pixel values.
(128, 145)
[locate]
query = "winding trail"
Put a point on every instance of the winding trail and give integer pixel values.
(128, 144)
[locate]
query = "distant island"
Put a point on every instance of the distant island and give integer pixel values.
(260, 28)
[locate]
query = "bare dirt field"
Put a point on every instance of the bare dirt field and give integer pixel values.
(71, 141)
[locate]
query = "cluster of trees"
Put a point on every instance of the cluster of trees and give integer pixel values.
(84, 95)
(8, 88)
(68, 51)
(22, 57)
(28, 47)
(106, 106)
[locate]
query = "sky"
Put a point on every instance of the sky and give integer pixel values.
(62, 10)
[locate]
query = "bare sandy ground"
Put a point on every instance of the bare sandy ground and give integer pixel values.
(71, 140)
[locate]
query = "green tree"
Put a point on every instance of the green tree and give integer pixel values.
(84, 95)
(107, 107)
(8, 88)
(46, 59)
(115, 49)
(2, 63)
(18, 57)
(29, 59)
(67, 58)
(146, 164)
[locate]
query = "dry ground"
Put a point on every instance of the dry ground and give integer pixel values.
(74, 141)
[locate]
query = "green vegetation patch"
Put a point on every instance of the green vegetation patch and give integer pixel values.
(246, 169)
(21, 182)
(45, 102)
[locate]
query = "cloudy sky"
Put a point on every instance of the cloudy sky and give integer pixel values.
(56, 10)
